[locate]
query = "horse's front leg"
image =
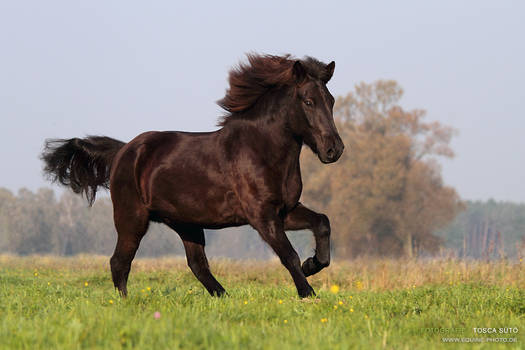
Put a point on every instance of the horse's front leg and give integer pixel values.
(301, 218)
(271, 230)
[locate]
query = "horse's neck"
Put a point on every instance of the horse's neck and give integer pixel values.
(273, 124)
(287, 146)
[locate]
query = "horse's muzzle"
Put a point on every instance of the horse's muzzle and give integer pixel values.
(332, 150)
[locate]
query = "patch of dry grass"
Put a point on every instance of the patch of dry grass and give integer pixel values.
(360, 274)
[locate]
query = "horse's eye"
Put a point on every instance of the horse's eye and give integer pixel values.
(308, 102)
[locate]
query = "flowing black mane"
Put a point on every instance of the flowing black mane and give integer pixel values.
(249, 81)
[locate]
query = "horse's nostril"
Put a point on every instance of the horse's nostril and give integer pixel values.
(330, 153)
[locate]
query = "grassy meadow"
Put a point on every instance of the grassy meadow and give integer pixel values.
(70, 303)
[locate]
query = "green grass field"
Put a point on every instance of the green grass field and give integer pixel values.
(70, 303)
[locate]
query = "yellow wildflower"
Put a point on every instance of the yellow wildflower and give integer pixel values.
(334, 288)
(323, 320)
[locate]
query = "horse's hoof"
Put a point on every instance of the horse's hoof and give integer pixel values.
(306, 292)
(311, 266)
(218, 293)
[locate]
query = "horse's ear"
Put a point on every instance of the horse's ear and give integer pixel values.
(329, 71)
(298, 71)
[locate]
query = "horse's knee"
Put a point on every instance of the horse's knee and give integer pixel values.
(323, 226)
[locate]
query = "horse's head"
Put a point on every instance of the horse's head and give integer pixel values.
(313, 119)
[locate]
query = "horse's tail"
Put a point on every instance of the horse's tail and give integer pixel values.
(82, 164)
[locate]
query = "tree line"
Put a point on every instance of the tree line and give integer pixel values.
(385, 197)
(40, 223)
(487, 230)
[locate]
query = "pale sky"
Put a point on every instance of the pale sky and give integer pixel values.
(119, 68)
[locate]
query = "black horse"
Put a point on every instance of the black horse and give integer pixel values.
(247, 172)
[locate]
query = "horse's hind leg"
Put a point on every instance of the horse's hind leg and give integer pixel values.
(303, 218)
(131, 226)
(193, 240)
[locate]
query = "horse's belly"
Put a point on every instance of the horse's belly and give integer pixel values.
(206, 207)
